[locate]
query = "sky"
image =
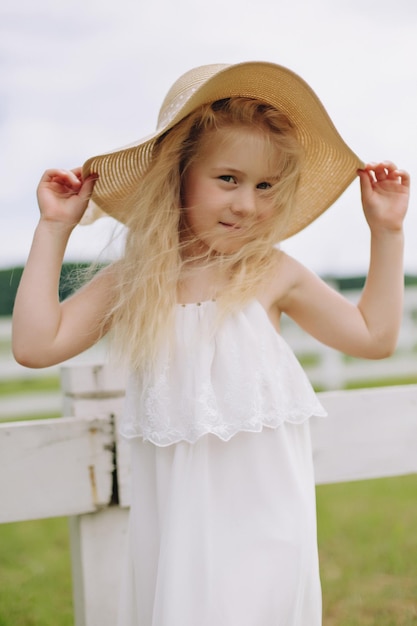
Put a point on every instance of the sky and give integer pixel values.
(81, 77)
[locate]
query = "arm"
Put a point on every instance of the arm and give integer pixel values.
(370, 329)
(46, 331)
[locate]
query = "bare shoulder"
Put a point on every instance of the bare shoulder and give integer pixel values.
(286, 275)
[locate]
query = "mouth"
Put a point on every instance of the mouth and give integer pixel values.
(230, 226)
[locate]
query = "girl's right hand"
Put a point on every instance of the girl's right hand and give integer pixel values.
(63, 196)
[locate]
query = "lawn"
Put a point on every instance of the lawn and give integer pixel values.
(368, 552)
(35, 574)
(38, 384)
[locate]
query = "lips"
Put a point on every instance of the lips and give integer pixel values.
(230, 226)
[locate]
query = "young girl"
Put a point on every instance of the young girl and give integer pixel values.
(222, 523)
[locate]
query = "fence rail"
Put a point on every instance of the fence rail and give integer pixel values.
(77, 466)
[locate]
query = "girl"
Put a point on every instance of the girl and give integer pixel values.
(222, 523)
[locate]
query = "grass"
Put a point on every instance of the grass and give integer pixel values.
(36, 385)
(35, 574)
(31, 417)
(368, 552)
(382, 382)
(39, 384)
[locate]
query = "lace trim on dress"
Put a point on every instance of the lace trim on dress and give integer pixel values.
(239, 377)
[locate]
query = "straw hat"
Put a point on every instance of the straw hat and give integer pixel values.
(329, 165)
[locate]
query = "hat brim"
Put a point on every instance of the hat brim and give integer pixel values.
(329, 165)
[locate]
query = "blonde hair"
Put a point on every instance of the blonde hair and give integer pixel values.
(148, 275)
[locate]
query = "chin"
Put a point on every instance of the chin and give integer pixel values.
(227, 245)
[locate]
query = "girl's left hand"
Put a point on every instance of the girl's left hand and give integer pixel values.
(385, 193)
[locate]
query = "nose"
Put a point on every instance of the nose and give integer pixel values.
(244, 202)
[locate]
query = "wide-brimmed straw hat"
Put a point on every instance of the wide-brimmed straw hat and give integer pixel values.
(329, 165)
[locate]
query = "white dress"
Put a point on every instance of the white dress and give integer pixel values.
(222, 525)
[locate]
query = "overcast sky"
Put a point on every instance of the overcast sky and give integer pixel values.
(81, 77)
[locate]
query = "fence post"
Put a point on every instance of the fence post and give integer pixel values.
(97, 549)
(97, 539)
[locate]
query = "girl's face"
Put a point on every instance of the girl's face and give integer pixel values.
(226, 188)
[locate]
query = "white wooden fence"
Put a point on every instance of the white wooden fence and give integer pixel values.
(77, 466)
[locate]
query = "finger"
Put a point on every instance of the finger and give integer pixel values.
(78, 172)
(382, 171)
(400, 176)
(404, 177)
(63, 177)
(369, 171)
(388, 165)
(88, 186)
(366, 181)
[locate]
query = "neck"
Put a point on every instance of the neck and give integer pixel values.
(200, 282)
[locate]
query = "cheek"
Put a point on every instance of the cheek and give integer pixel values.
(186, 196)
(266, 212)
(189, 190)
(194, 218)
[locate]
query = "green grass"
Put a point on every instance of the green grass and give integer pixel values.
(35, 574)
(29, 385)
(382, 382)
(31, 417)
(368, 552)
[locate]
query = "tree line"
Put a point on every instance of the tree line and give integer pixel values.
(10, 278)
(71, 272)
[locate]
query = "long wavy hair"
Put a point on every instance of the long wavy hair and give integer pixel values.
(149, 273)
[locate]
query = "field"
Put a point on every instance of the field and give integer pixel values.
(368, 552)
(367, 542)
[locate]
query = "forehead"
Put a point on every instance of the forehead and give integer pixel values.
(238, 140)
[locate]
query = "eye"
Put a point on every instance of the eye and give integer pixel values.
(228, 178)
(264, 185)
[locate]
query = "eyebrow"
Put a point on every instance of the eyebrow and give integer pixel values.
(226, 168)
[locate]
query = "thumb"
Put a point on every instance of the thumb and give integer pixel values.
(365, 183)
(87, 187)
